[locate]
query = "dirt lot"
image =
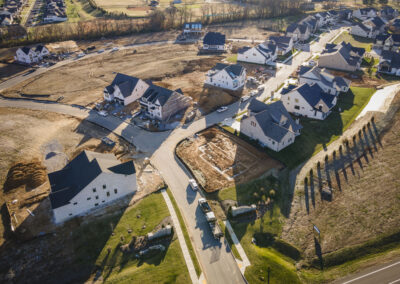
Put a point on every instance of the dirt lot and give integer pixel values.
(365, 203)
(219, 159)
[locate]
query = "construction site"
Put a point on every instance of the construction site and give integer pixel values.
(219, 159)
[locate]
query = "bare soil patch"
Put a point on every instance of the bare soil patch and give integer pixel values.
(219, 159)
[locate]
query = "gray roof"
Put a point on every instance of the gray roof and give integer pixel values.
(154, 93)
(351, 54)
(80, 172)
(324, 77)
(391, 57)
(313, 94)
(378, 22)
(233, 70)
(363, 27)
(243, 49)
(213, 38)
(275, 121)
(125, 83)
(281, 41)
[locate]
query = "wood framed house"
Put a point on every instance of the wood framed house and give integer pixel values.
(231, 77)
(308, 101)
(270, 124)
(125, 89)
(89, 181)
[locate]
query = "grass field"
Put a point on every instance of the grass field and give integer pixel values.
(355, 41)
(78, 10)
(96, 244)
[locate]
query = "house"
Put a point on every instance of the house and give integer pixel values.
(364, 13)
(389, 62)
(6, 19)
(270, 124)
(329, 83)
(264, 53)
(312, 22)
(192, 28)
(359, 29)
(231, 77)
(299, 32)
(283, 43)
(89, 181)
(31, 55)
(377, 24)
(125, 89)
(213, 41)
(308, 100)
(345, 14)
(395, 26)
(342, 56)
(388, 41)
(388, 13)
(161, 103)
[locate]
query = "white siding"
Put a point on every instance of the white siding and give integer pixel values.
(223, 80)
(124, 184)
(253, 56)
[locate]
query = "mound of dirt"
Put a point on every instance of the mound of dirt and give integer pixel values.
(201, 65)
(211, 98)
(29, 174)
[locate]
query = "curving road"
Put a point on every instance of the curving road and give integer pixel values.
(216, 260)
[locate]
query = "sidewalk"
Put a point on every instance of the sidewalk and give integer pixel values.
(181, 239)
(245, 261)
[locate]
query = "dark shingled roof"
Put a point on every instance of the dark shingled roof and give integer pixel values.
(363, 27)
(351, 54)
(313, 94)
(213, 38)
(274, 120)
(324, 77)
(233, 70)
(80, 172)
(154, 93)
(393, 58)
(26, 49)
(125, 83)
(243, 49)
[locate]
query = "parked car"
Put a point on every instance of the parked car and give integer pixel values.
(103, 113)
(222, 109)
(193, 185)
(244, 98)
(312, 63)
(80, 55)
(100, 51)
(260, 88)
(114, 49)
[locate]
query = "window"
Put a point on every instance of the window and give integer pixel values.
(296, 107)
(253, 123)
(273, 142)
(103, 201)
(104, 186)
(70, 214)
(115, 191)
(94, 190)
(97, 197)
(88, 198)
(96, 204)
(75, 203)
(296, 100)
(108, 193)
(288, 98)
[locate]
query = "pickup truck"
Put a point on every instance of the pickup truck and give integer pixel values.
(193, 185)
(210, 217)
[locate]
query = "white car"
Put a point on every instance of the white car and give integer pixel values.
(80, 55)
(103, 113)
(253, 93)
(244, 98)
(222, 109)
(312, 63)
(114, 49)
(260, 88)
(100, 51)
(193, 185)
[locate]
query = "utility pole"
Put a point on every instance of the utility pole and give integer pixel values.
(269, 269)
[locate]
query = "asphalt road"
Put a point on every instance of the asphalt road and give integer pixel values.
(388, 273)
(216, 260)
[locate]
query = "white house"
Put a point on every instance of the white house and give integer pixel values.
(231, 77)
(271, 125)
(125, 89)
(31, 55)
(389, 62)
(309, 101)
(359, 29)
(283, 43)
(388, 41)
(299, 32)
(213, 41)
(377, 24)
(192, 28)
(161, 103)
(264, 53)
(89, 181)
(329, 83)
(364, 13)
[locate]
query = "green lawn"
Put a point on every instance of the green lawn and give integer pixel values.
(95, 244)
(185, 234)
(355, 41)
(316, 133)
(269, 251)
(232, 58)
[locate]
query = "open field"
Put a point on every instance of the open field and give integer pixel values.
(355, 41)
(78, 10)
(219, 160)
